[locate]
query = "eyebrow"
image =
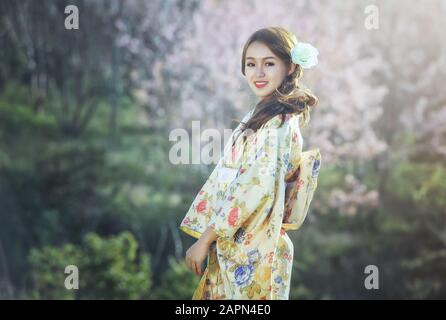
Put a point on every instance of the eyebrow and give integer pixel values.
(262, 58)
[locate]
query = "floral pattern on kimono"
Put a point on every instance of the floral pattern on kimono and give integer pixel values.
(252, 256)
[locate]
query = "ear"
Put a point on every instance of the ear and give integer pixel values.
(293, 67)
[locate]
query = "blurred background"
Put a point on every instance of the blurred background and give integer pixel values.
(85, 118)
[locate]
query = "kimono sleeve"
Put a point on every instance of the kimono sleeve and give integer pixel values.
(254, 189)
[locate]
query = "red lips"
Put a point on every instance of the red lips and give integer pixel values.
(260, 84)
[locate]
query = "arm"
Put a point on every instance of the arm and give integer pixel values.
(198, 252)
(253, 190)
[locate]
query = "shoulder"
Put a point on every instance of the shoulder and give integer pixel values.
(247, 115)
(283, 128)
(289, 132)
(287, 122)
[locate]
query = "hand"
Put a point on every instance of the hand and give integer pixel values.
(195, 256)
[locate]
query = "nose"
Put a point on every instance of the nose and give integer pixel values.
(259, 72)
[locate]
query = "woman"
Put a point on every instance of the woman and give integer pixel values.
(239, 215)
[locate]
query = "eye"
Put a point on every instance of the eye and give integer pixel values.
(249, 64)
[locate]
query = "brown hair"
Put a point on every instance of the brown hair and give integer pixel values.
(290, 96)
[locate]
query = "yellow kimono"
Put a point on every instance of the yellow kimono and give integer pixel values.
(250, 205)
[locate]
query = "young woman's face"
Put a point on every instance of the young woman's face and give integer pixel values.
(264, 71)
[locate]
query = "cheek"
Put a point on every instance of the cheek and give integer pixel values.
(249, 73)
(279, 70)
(273, 74)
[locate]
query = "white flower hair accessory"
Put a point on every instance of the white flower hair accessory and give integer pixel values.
(305, 55)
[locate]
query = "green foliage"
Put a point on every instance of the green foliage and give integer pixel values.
(404, 238)
(424, 184)
(109, 268)
(55, 188)
(178, 282)
(48, 267)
